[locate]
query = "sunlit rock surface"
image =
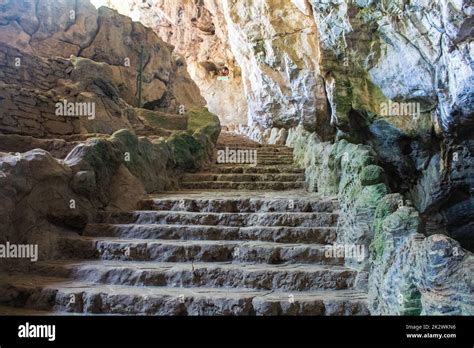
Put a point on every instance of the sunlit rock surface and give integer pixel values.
(319, 76)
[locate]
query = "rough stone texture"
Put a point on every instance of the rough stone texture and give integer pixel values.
(64, 28)
(303, 67)
(408, 272)
(254, 253)
(418, 52)
(198, 32)
(279, 57)
(42, 196)
(414, 274)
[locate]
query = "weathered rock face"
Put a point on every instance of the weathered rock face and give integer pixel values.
(274, 72)
(418, 53)
(296, 57)
(405, 272)
(64, 29)
(67, 82)
(279, 57)
(198, 32)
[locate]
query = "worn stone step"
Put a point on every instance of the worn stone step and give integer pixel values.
(264, 149)
(109, 248)
(318, 235)
(292, 277)
(243, 185)
(262, 154)
(58, 295)
(274, 161)
(260, 161)
(203, 176)
(275, 153)
(226, 219)
(22, 312)
(246, 169)
(326, 302)
(242, 205)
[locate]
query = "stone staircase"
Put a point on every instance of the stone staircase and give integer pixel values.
(239, 240)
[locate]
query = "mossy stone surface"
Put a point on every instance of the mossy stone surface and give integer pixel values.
(371, 175)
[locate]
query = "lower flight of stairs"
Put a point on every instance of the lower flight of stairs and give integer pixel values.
(247, 240)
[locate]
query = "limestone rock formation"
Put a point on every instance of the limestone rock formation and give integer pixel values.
(51, 29)
(376, 99)
(67, 86)
(407, 272)
(198, 32)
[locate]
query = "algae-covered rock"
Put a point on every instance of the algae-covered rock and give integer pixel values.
(201, 120)
(386, 206)
(186, 152)
(370, 196)
(144, 159)
(371, 175)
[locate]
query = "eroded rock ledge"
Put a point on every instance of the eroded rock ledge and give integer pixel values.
(408, 272)
(58, 170)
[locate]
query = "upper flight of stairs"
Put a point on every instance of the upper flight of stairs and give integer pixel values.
(255, 250)
(274, 170)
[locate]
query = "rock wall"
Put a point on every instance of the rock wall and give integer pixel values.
(321, 63)
(67, 52)
(32, 86)
(280, 57)
(198, 32)
(76, 28)
(381, 52)
(42, 197)
(404, 271)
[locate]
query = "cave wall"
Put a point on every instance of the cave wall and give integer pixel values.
(404, 271)
(75, 28)
(58, 171)
(198, 32)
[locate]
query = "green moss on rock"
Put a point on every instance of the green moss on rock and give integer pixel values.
(371, 175)
(370, 196)
(186, 152)
(201, 120)
(386, 206)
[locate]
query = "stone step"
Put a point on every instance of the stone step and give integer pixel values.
(226, 219)
(203, 176)
(241, 205)
(260, 161)
(246, 169)
(109, 248)
(243, 185)
(274, 161)
(274, 154)
(292, 277)
(279, 153)
(22, 312)
(262, 149)
(56, 295)
(318, 235)
(269, 148)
